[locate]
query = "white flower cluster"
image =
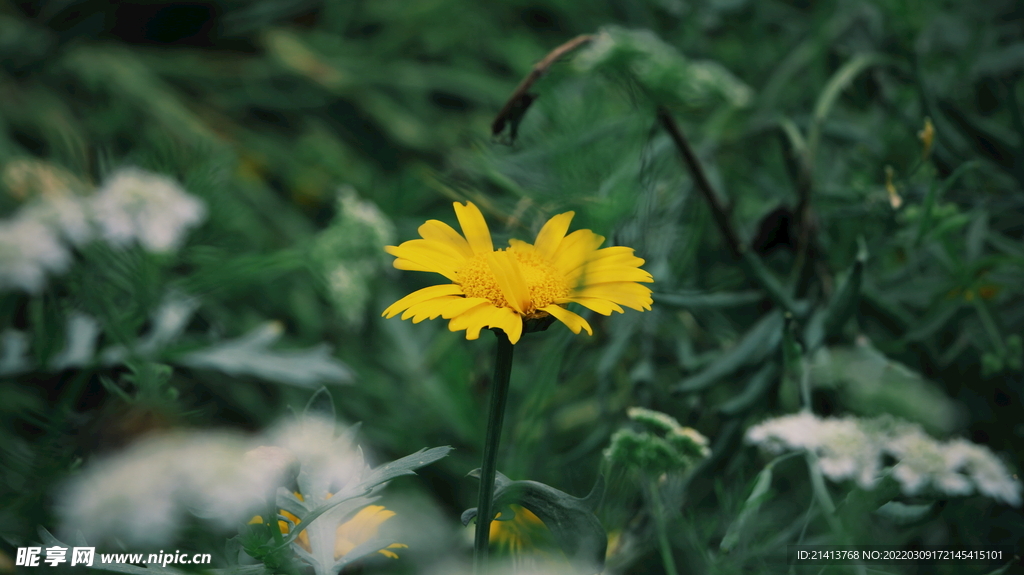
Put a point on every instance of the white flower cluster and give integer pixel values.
(145, 494)
(854, 448)
(132, 205)
(28, 250)
(349, 253)
(135, 205)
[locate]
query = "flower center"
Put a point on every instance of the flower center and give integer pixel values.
(544, 283)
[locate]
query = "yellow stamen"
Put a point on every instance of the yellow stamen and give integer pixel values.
(543, 282)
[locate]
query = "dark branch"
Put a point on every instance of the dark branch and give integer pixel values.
(513, 110)
(752, 264)
(703, 184)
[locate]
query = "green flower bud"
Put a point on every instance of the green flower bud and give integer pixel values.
(661, 446)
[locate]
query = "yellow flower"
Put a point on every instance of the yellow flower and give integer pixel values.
(350, 534)
(927, 137)
(501, 288)
(524, 531)
(894, 197)
(361, 529)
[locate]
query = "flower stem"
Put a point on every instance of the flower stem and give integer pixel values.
(660, 526)
(499, 396)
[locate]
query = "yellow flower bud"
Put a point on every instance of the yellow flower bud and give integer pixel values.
(927, 137)
(894, 198)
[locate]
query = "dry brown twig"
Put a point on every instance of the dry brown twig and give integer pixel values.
(512, 112)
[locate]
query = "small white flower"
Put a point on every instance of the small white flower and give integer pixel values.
(349, 287)
(135, 205)
(330, 463)
(28, 250)
(790, 432)
(65, 214)
(922, 460)
(847, 451)
(365, 214)
(143, 495)
(988, 473)
(852, 448)
(349, 255)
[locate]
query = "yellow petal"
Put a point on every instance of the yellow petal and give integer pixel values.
(437, 257)
(521, 246)
(550, 236)
(609, 257)
(510, 279)
(629, 294)
(474, 227)
(570, 319)
(441, 232)
(472, 320)
(431, 308)
(452, 309)
(509, 321)
(488, 315)
(576, 249)
(601, 306)
(608, 270)
(392, 554)
(611, 274)
(360, 529)
(421, 295)
(409, 266)
(619, 254)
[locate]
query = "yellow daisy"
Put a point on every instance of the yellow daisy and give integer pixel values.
(523, 532)
(502, 288)
(350, 534)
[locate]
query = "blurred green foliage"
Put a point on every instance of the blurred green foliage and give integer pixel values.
(315, 132)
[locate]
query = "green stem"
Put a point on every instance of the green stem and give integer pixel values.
(659, 522)
(989, 323)
(821, 494)
(499, 396)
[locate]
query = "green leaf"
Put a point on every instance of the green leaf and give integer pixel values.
(667, 76)
(755, 391)
(697, 299)
(844, 301)
(938, 319)
(311, 509)
(251, 355)
(904, 514)
(320, 405)
(757, 271)
(405, 465)
(758, 343)
(996, 146)
(793, 369)
(758, 495)
(571, 520)
(977, 233)
(935, 193)
(869, 383)
(839, 81)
